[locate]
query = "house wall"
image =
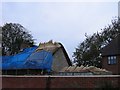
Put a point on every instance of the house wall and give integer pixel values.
(115, 68)
(61, 82)
(59, 61)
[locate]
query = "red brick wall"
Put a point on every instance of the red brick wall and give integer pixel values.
(114, 68)
(59, 81)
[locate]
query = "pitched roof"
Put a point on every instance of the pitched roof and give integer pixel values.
(49, 46)
(113, 48)
(28, 59)
(54, 47)
(34, 57)
(66, 55)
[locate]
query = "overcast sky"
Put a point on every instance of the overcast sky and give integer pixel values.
(65, 22)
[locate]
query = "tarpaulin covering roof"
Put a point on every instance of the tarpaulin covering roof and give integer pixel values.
(28, 59)
(53, 47)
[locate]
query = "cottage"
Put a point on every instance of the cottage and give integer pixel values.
(47, 57)
(111, 56)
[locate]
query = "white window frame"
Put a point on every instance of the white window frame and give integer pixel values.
(112, 60)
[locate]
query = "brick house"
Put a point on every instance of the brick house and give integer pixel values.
(111, 56)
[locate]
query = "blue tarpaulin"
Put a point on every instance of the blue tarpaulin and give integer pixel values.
(41, 59)
(28, 59)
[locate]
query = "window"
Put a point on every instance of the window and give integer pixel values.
(112, 60)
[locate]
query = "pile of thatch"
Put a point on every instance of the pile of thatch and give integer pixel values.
(81, 69)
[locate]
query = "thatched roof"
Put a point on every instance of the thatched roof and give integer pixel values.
(54, 47)
(86, 69)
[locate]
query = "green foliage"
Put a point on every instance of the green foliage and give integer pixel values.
(13, 35)
(89, 51)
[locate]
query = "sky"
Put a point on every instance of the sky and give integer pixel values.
(65, 22)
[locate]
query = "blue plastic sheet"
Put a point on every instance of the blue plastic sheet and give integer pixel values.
(28, 59)
(41, 59)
